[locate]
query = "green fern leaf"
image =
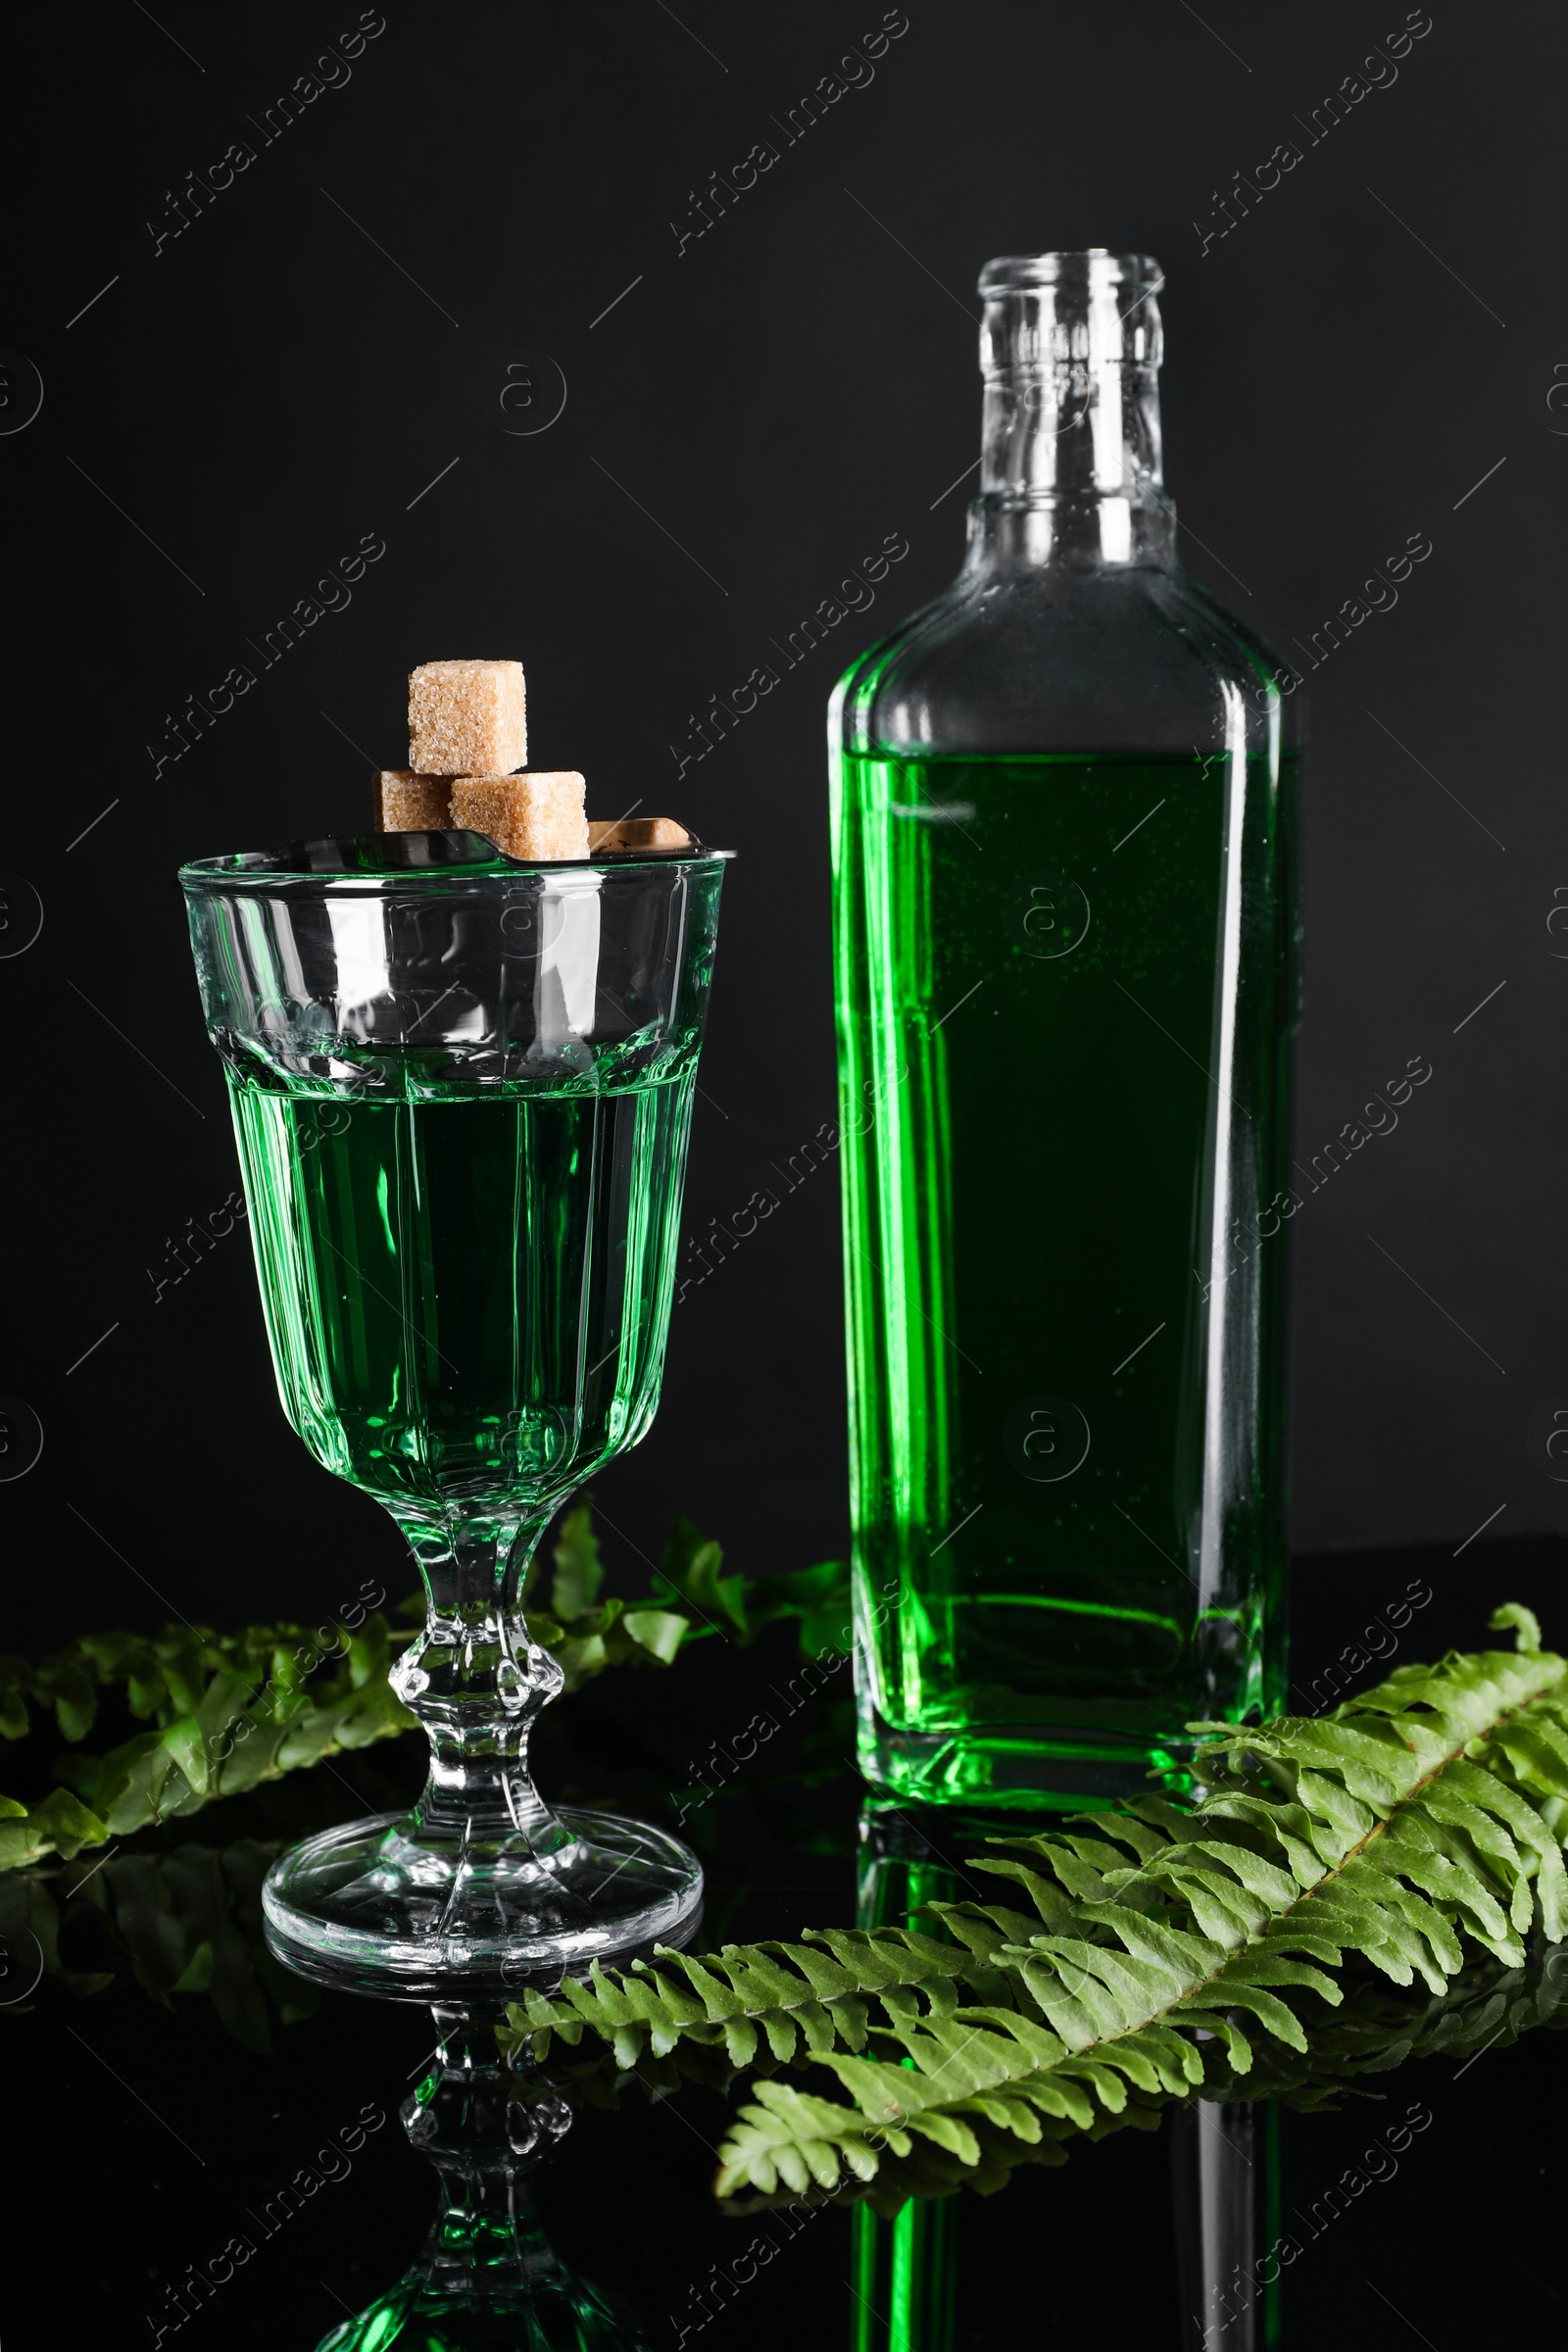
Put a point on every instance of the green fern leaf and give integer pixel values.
(795, 1994)
(1418, 1824)
(226, 1711)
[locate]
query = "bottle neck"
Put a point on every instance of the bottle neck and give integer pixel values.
(1070, 447)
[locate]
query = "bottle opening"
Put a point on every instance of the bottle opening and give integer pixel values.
(1093, 311)
(1069, 351)
(1095, 267)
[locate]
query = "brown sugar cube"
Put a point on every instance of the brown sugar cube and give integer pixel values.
(636, 833)
(407, 802)
(466, 718)
(531, 816)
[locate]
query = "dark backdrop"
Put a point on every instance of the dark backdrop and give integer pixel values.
(232, 407)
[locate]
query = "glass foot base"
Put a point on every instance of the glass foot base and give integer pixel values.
(366, 1909)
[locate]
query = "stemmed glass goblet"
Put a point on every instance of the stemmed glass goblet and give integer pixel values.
(461, 1089)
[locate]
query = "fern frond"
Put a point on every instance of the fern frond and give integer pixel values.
(228, 1710)
(799, 1999)
(1418, 1825)
(1486, 2007)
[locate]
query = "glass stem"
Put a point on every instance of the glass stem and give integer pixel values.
(476, 1681)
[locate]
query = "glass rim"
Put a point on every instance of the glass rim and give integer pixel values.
(234, 874)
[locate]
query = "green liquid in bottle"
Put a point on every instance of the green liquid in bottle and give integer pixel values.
(1064, 990)
(466, 1289)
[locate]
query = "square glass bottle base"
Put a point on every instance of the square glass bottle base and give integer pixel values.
(368, 1909)
(1018, 1768)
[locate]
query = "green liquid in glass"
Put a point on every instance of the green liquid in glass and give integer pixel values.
(466, 1289)
(1065, 1433)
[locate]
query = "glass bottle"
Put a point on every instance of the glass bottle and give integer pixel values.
(1065, 975)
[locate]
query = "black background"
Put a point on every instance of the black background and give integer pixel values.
(780, 394)
(223, 423)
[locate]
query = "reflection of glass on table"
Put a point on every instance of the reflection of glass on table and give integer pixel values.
(487, 2279)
